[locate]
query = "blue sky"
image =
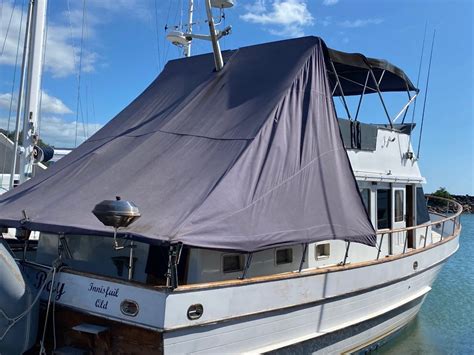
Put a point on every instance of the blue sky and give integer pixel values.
(124, 49)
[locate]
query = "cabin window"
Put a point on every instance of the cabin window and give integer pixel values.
(322, 251)
(232, 263)
(284, 256)
(399, 206)
(422, 214)
(383, 208)
(365, 194)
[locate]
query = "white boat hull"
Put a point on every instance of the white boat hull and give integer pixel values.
(340, 308)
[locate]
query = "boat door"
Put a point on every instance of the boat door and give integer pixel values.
(398, 217)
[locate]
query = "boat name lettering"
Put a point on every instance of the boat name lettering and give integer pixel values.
(101, 303)
(58, 287)
(107, 291)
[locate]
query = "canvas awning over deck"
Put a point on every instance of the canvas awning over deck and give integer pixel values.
(244, 159)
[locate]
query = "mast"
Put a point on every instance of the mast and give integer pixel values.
(215, 41)
(187, 47)
(26, 47)
(34, 63)
(183, 39)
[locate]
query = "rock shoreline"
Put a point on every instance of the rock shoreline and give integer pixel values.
(466, 201)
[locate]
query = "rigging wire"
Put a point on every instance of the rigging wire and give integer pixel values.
(78, 99)
(8, 28)
(417, 85)
(426, 95)
(10, 109)
(158, 52)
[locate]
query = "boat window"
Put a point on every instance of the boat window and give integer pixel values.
(322, 251)
(284, 256)
(399, 206)
(365, 193)
(232, 263)
(422, 214)
(383, 208)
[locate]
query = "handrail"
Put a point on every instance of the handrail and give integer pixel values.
(458, 212)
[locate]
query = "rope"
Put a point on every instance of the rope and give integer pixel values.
(42, 348)
(8, 28)
(80, 70)
(157, 37)
(10, 110)
(14, 320)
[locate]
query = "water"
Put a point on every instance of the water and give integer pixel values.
(445, 324)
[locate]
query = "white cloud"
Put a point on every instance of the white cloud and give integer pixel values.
(49, 104)
(286, 17)
(63, 36)
(59, 132)
(61, 45)
(5, 101)
(361, 23)
(330, 2)
(325, 21)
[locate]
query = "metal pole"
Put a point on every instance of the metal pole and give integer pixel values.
(347, 253)
(303, 257)
(405, 244)
(130, 261)
(247, 265)
(405, 108)
(362, 96)
(215, 43)
(187, 48)
(33, 88)
(380, 246)
(342, 92)
(426, 236)
(20, 94)
(381, 98)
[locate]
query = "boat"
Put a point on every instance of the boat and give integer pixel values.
(229, 208)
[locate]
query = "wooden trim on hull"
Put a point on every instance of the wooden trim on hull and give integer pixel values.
(314, 303)
(306, 273)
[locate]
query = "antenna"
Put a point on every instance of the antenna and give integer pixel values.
(426, 95)
(417, 86)
(183, 39)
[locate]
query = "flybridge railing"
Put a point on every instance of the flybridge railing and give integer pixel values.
(445, 220)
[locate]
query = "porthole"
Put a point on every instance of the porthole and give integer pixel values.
(195, 311)
(415, 265)
(129, 308)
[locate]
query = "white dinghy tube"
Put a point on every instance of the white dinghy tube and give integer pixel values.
(19, 310)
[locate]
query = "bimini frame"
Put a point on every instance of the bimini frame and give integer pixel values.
(365, 86)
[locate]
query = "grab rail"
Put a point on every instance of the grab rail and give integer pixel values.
(453, 212)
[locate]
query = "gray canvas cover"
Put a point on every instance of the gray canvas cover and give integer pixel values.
(244, 159)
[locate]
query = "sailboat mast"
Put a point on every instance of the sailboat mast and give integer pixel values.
(19, 109)
(187, 47)
(36, 33)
